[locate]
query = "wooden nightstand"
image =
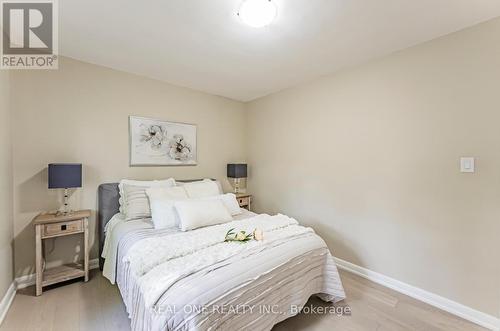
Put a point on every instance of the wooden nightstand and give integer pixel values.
(51, 226)
(245, 200)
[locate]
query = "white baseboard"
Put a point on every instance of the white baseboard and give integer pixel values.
(29, 280)
(452, 307)
(7, 301)
(23, 282)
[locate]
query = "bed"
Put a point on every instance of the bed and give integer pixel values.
(253, 287)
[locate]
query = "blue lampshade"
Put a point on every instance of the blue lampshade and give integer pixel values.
(237, 170)
(65, 175)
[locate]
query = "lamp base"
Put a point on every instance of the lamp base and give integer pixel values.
(238, 184)
(66, 211)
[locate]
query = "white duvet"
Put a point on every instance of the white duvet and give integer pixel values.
(161, 272)
(159, 263)
(115, 230)
(151, 252)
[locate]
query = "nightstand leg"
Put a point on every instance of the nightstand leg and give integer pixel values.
(86, 247)
(39, 259)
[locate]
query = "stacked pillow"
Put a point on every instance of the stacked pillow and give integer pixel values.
(229, 200)
(162, 205)
(134, 202)
(201, 189)
(170, 204)
(196, 213)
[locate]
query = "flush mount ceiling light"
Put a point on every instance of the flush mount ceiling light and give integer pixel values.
(257, 13)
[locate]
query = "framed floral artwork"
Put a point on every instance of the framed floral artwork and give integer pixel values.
(160, 143)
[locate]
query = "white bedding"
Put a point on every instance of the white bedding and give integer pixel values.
(151, 252)
(118, 227)
(157, 284)
(160, 278)
(115, 229)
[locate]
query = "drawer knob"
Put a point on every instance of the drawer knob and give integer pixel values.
(63, 227)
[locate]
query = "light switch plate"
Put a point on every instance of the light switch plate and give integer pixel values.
(467, 164)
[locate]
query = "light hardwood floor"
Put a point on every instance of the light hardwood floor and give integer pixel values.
(97, 305)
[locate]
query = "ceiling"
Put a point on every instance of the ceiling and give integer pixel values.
(203, 45)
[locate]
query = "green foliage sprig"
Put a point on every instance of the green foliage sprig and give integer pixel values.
(241, 236)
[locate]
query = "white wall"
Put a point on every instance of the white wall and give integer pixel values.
(79, 113)
(370, 158)
(6, 233)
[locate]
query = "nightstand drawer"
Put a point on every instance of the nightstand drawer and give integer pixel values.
(62, 228)
(243, 201)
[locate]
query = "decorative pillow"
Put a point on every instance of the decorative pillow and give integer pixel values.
(133, 198)
(149, 183)
(196, 213)
(162, 202)
(219, 184)
(179, 183)
(230, 202)
(202, 189)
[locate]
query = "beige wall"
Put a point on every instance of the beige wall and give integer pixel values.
(79, 113)
(6, 233)
(370, 158)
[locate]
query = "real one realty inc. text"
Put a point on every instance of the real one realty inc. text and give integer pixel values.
(254, 309)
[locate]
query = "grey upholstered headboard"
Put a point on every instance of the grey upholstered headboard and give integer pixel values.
(108, 205)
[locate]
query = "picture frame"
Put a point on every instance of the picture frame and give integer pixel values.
(155, 142)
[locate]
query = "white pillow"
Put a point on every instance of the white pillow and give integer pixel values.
(179, 183)
(219, 184)
(230, 202)
(162, 202)
(196, 213)
(133, 198)
(201, 189)
(149, 183)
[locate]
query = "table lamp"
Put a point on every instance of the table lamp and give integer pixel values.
(66, 176)
(237, 172)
